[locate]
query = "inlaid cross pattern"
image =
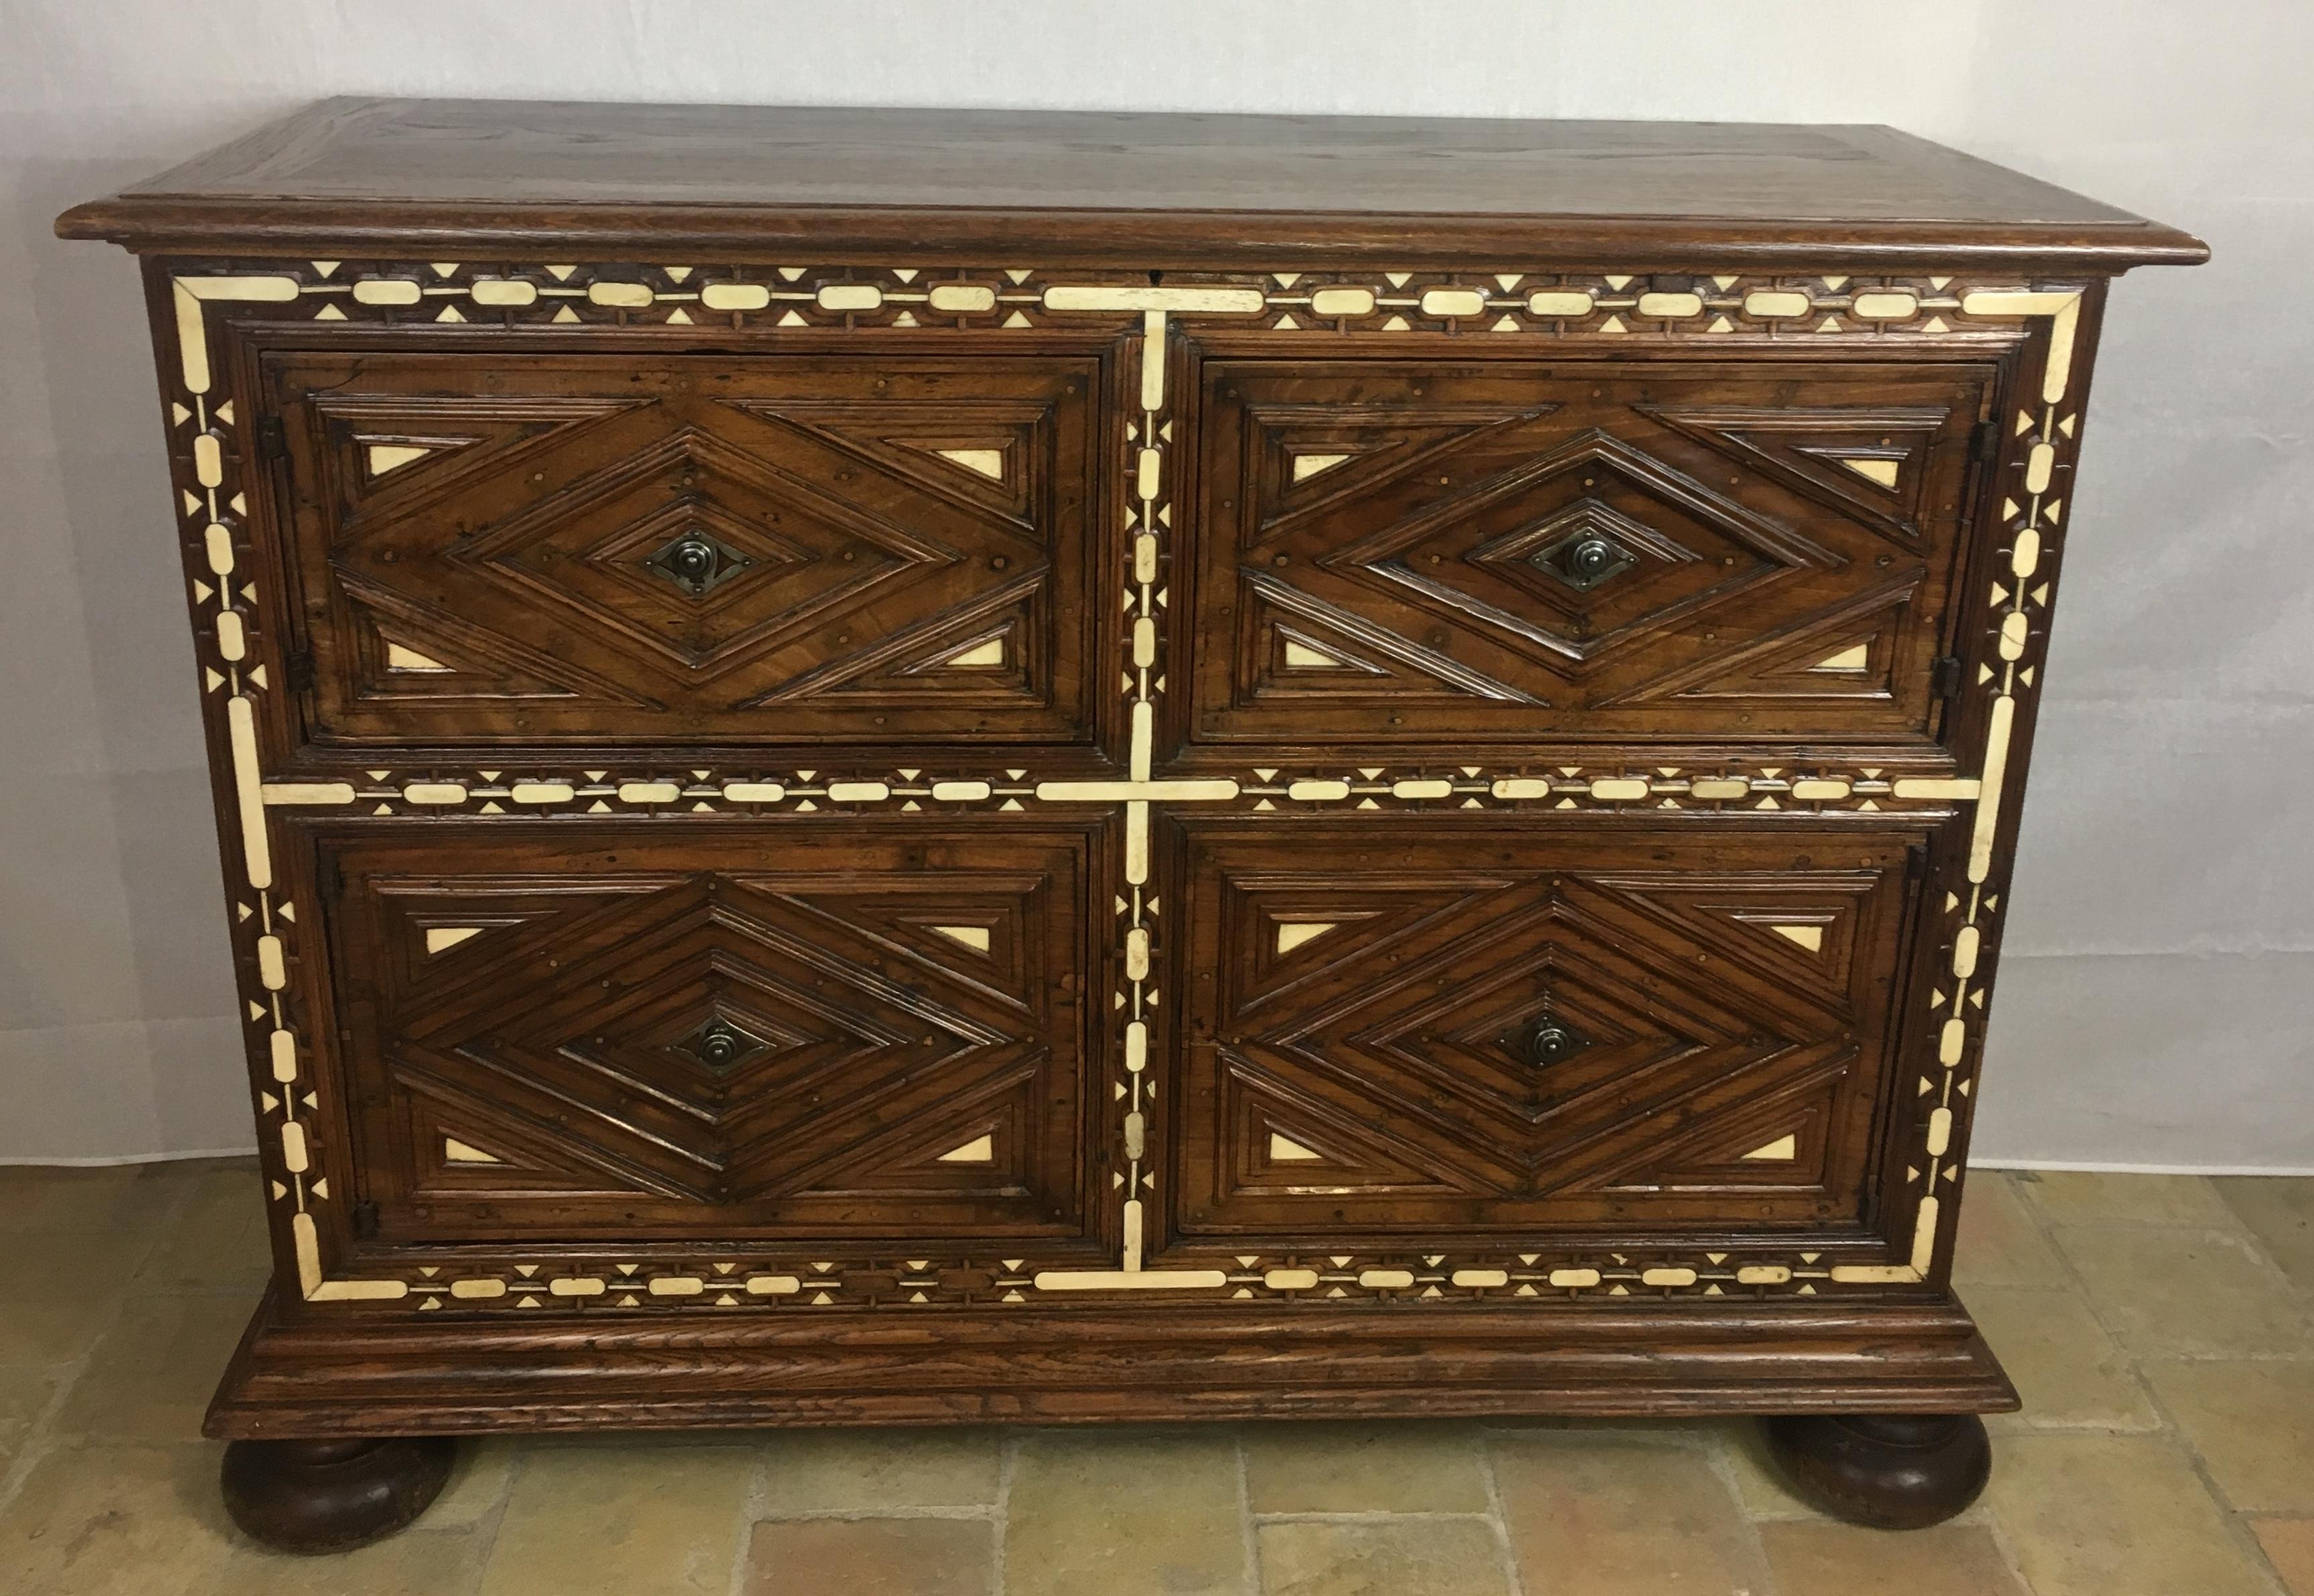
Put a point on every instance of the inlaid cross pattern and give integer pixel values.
(1584, 549)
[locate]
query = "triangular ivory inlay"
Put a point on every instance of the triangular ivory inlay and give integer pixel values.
(458, 1152)
(1293, 933)
(1810, 936)
(990, 652)
(980, 1150)
(1872, 469)
(386, 457)
(399, 657)
(1283, 1150)
(971, 936)
(441, 937)
(1855, 658)
(1306, 466)
(1782, 1149)
(1305, 657)
(988, 463)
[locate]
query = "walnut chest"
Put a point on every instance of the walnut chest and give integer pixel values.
(893, 766)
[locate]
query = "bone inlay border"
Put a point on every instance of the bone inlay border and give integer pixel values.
(208, 456)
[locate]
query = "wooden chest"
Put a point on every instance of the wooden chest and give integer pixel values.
(890, 767)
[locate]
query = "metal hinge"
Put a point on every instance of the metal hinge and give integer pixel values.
(365, 1221)
(272, 439)
(1916, 862)
(1945, 676)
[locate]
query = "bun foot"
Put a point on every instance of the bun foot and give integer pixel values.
(1892, 1471)
(331, 1496)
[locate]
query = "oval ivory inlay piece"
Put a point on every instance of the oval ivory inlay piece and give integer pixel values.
(1558, 302)
(1453, 302)
(962, 298)
(388, 291)
(1771, 304)
(850, 296)
(1670, 307)
(619, 295)
(1342, 301)
(1883, 307)
(503, 291)
(734, 296)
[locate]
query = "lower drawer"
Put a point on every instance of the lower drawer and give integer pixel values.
(1423, 1028)
(770, 1030)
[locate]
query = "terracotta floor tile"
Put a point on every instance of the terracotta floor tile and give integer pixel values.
(871, 1557)
(1843, 1560)
(1612, 1518)
(2289, 1546)
(49, 1200)
(1382, 1557)
(217, 1242)
(479, 1483)
(2001, 1240)
(619, 1521)
(2253, 1425)
(24, 1396)
(2194, 1294)
(2068, 1372)
(2279, 1211)
(420, 1561)
(2074, 1197)
(2115, 1515)
(875, 1470)
(62, 1290)
(1357, 1468)
(115, 1521)
(1124, 1513)
(153, 1374)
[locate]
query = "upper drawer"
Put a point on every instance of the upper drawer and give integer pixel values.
(629, 548)
(1414, 550)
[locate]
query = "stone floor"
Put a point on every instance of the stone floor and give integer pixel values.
(2161, 1329)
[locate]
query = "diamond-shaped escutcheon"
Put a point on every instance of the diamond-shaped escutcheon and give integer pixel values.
(697, 562)
(1586, 558)
(1547, 1041)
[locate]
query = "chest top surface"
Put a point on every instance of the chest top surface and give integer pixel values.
(1190, 189)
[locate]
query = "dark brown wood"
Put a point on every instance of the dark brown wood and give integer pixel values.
(331, 1496)
(1252, 767)
(367, 175)
(1892, 1471)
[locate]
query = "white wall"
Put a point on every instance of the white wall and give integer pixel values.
(2158, 997)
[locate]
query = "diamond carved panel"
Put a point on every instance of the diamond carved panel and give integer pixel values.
(1505, 552)
(611, 553)
(694, 1037)
(1531, 1029)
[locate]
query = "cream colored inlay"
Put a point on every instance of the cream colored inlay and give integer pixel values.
(458, 1152)
(1293, 933)
(1776, 303)
(1558, 302)
(1284, 1150)
(980, 1150)
(441, 937)
(1452, 302)
(1306, 466)
(1852, 658)
(1782, 1149)
(1203, 301)
(990, 652)
(1305, 657)
(1883, 472)
(988, 463)
(399, 656)
(1670, 306)
(734, 296)
(1131, 1279)
(962, 298)
(971, 936)
(386, 457)
(1810, 936)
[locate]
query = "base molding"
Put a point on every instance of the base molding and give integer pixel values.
(300, 1375)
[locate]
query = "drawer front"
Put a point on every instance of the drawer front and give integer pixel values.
(628, 549)
(1414, 552)
(1435, 1028)
(762, 1031)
